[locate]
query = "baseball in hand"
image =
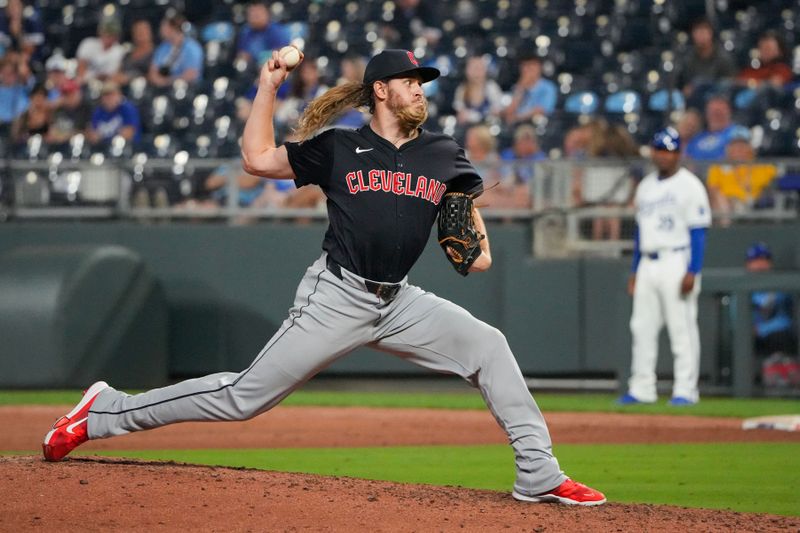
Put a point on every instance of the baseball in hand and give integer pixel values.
(291, 55)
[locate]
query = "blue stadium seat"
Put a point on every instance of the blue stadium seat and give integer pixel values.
(298, 30)
(623, 102)
(660, 100)
(744, 98)
(582, 103)
(223, 32)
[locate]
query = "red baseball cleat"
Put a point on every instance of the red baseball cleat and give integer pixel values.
(569, 492)
(70, 431)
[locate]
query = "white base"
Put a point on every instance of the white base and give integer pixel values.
(782, 422)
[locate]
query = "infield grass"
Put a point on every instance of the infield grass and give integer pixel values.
(548, 402)
(747, 477)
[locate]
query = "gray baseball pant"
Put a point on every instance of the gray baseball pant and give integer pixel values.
(331, 317)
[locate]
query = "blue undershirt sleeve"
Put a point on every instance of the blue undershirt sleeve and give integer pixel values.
(637, 253)
(698, 236)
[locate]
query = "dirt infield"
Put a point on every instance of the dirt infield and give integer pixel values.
(304, 427)
(95, 494)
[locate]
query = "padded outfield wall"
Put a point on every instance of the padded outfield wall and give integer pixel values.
(227, 288)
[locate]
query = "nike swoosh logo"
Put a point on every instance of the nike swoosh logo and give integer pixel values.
(75, 424)
(360, 150)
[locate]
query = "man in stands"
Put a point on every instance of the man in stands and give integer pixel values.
(710, 144)
(260, 36)
(114, 116)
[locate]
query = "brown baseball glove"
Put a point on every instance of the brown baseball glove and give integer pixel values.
(457, 231)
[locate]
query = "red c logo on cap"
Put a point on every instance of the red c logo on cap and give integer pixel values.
(412, 59)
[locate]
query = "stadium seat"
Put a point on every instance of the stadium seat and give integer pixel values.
(222, 90)
(118, 148)
(35, 148)
(201, 112)
(582, 103)
(614, 57)
(138, 91)
(202, 147)
(78, 148)
(218, 31)
(218, 60)
(780, 135)
(623, 102)
(161, 146)
(158, 115)
(660, 101)
(744, 98)
(298, 31)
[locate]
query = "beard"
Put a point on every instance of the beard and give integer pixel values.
(410, 116)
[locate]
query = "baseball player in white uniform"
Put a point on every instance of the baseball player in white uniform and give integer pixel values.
(672, 215)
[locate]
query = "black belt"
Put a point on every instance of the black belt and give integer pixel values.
(385, 291)
(654, 255)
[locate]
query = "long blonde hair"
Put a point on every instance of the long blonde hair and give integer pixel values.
(324, 108)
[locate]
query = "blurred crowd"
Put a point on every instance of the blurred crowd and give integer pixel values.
(159, 81)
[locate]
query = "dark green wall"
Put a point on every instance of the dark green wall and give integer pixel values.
(70, 315)
(229, 287)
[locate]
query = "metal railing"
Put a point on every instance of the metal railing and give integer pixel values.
(576, 206)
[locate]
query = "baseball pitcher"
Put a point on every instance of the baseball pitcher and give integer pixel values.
(385, 183)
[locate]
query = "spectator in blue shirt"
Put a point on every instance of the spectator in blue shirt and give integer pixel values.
(259, 36)
(532, 95)
(13, 93)
(710, 144)
(177, 57)
(519, 157)
(114, 116)
(21, 31)
(773, 317)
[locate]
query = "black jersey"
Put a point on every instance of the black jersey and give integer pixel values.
(382, 200)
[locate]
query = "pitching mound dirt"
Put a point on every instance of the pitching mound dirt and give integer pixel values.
(106, 494)
(116, 495)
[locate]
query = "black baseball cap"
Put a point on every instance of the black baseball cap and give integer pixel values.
(393, 63)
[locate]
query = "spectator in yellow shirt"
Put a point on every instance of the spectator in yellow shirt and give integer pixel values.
(736, 185)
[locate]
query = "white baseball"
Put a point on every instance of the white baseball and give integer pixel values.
(291, 55)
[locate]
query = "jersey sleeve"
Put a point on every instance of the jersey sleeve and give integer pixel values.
(698, 210)
(464, 177)
(312, 159)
